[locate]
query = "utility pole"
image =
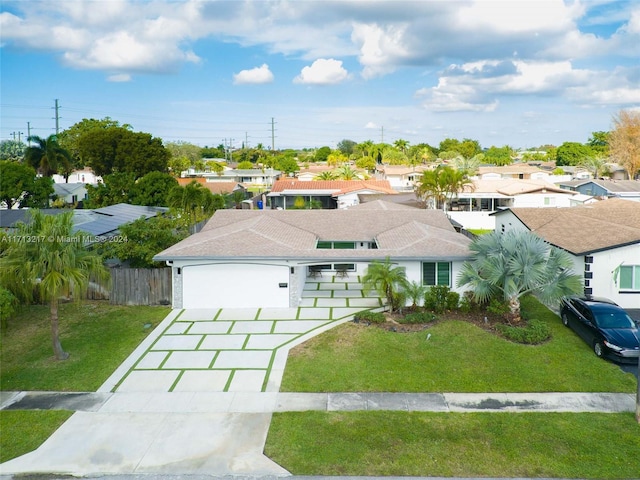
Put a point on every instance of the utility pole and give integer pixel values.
(246, 140)
(273, 137)
(381, 134)
(57, 117)
(20, 133)
(28, 132)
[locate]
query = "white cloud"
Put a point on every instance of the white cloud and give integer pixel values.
(371, 125)
(255, 75)
(324, 71)
(120, 77)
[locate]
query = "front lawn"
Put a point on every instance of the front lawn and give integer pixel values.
(567, 445)
(98, 336)
(450, 356)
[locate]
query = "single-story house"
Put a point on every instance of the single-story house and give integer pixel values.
(84, 175)
(217, 188)
(262, 258)
(329, 194)
(627, 189)
(473, 207)
(255, 178)
(71, 193)
(603, 239)
(521, 171)
(400, 177)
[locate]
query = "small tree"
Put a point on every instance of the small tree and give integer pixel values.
(385, 278)
(47, 261)
(510, 265)
(415, 292)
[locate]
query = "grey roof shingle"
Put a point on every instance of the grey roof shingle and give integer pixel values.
(587, 228)
(400, 232)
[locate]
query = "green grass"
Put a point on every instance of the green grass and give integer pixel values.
(98, 336)
(578, 445)
(24, 431)
(458, 357)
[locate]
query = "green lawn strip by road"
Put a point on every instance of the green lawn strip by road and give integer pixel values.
(24, 431)
(98, 336)
(568, 445)
(458, 357)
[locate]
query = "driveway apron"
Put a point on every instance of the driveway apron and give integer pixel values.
(177, 402)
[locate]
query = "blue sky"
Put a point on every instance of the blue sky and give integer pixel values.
(513, 72)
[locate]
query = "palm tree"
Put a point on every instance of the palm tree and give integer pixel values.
(345, 172)
(595, 164)
(401, 145)
(365, 148)
(441, 185)
(55, 263)
(510, 265)
(326, 175)
(48, 157)
(415, 291)
(386, 279)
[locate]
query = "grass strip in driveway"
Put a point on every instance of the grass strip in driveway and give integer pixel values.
(567, 445)
(457, 357)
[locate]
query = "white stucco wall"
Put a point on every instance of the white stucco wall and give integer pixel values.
(538, 200)
(605, 282)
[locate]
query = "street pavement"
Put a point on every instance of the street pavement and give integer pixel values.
(196, 398)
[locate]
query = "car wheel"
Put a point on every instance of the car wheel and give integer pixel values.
(597, 349)
(565, 320)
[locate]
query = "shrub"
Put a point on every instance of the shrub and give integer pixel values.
(418, 317)
(436, 298)
(369, 316)
(498, 308)
(533, 333)
(8, 305)
(399, 301)
(453, 300)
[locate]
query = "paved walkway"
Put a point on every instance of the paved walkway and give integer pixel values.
(196, 397)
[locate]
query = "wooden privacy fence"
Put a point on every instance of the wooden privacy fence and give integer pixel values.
(140, 286)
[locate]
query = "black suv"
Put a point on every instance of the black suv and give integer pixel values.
(605, 326)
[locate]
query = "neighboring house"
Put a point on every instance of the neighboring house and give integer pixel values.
(252, 179)
(400, 177)
(521, 171)
(71, 193)
(219, 188)
(261, 258)
(99, 223)
(327, 194)
(473, 207)
(627, 189)
(312, 171)
(85, 175)
(603, 238)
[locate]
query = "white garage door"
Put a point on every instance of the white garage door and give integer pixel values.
(235, 286)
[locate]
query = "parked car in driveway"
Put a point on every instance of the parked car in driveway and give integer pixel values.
(605, 326)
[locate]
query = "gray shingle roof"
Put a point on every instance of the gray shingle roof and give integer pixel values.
(587, 228)
(400, 232)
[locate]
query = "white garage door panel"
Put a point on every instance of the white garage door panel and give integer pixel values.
(235, 286)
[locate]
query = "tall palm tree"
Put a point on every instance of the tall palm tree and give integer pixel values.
(385, 278)
(510, 265)
(55, 263)
(48, 157)
(401, 145)
(365, 148)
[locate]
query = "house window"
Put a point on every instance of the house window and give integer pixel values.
(630, 277)
(436, 273)
(322, 244)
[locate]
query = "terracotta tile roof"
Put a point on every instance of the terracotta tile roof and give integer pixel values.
(400, 232)
(337, 187)
(586, 228)
(215, 187)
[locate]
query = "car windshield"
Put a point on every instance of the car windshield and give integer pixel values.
(613, 319)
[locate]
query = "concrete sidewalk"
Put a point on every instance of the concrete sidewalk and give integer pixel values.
(250, 402)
